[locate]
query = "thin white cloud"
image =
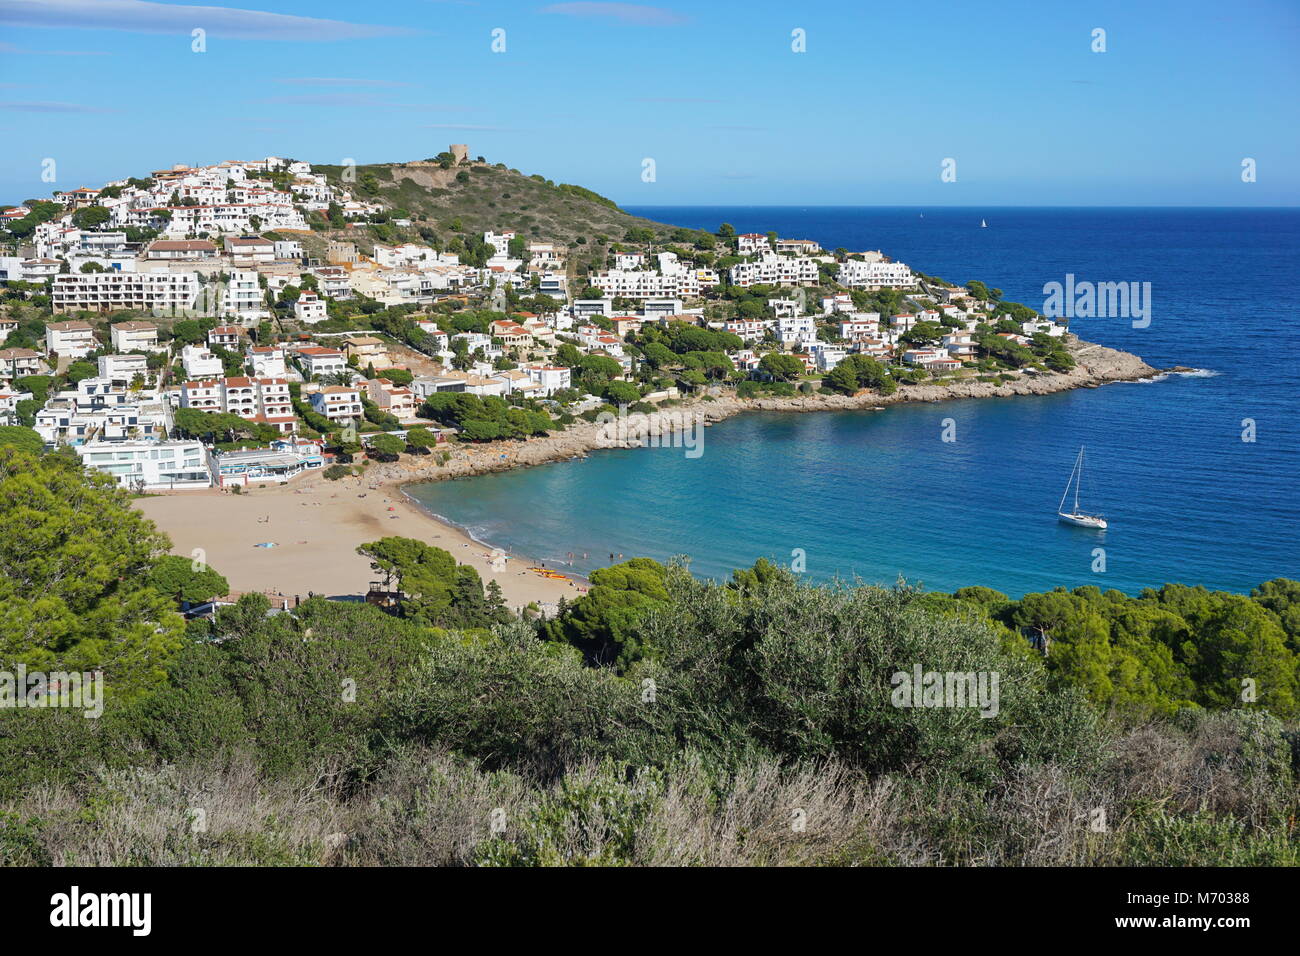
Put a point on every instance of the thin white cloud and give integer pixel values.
(675, 99)
(633, 13)
(142, 16)
(335, 81)
(53, 108)
(471, 129)
(326, 99)
(431, 107)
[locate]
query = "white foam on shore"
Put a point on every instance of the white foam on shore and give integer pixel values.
(1190, 373)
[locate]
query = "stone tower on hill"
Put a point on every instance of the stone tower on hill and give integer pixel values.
(460, 152)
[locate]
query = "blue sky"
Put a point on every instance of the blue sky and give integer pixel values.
(712, 92)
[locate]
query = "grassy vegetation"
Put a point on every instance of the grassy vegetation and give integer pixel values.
(491, 197)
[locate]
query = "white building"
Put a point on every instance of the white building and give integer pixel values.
(772, 269)
(268, 361)
(123, 368)
(875, 275)
(113, 291)
(74, 339)
(796, 330)
(338, 403)
(198, 362)
(550, 378)
(320, 361)
(181, 250)
(243, 298)
(310, 309)
(18, 362)
(150, 465)
(135, 337)
(263, 400)
(644, 284)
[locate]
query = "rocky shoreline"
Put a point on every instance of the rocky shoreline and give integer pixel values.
(1097, 365)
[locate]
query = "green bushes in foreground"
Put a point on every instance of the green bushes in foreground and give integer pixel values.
(339, 734)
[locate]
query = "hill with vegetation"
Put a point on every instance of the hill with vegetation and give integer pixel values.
(476, 197)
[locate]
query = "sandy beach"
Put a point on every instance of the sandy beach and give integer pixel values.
(316, 526)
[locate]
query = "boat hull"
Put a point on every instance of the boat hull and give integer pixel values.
(1082, 520)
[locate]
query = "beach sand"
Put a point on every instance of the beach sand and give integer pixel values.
(316, 526)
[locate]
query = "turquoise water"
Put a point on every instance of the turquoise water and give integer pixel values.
(876, 495)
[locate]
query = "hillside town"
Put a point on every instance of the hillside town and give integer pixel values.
(253, 320)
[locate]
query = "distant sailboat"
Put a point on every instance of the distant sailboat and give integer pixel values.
(983, 224)
(1075, 516)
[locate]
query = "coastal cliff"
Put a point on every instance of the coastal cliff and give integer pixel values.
(1097, 365)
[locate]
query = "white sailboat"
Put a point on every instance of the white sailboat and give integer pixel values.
(983, 224)
(1075, 516)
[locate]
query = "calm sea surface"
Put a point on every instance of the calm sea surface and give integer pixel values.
(876, 495)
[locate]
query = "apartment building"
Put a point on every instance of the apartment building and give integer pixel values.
(75, 339)
(264, 400)
(268, 361)
(249, 250)
(181, 250)
(310, 309)
(65, 421)
(773, 269)
(318, 361)
(397, 400)
(243, 298)
(796, 330)
(863, 325)
(550, 378)
(646, 284)
(875, 275)
(135, 336)
(150, 465)
(798, 247)
(338, 403)
(113, 291)
(16, 362)
(122, 368)
(198, 362)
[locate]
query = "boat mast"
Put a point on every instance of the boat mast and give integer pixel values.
(1079, 482)
(1065, 494)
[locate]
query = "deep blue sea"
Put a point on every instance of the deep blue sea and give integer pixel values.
(876, 495)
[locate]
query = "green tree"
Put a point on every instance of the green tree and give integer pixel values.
(388, 444)
(420, 437)
(176, 577)
(782, 367)
(602, 622)
(436, 590)
(24, 439)
(74, 564)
